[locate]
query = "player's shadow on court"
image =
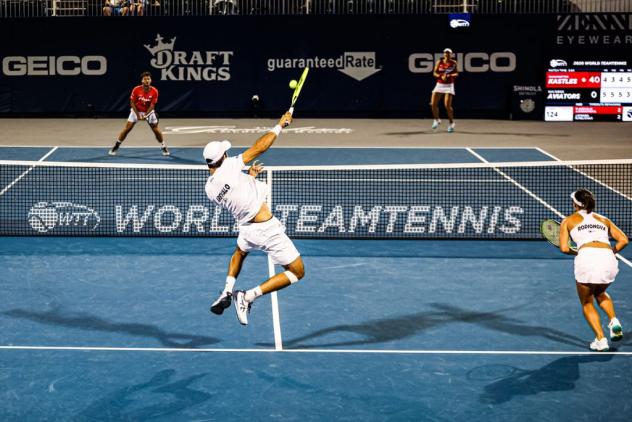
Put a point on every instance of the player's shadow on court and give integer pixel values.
(508, 325)
(85, 321)
(559, 375)
(386, 330)
(159, 397)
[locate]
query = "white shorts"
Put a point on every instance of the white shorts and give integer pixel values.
(270, 238)
(152, 119)
(444, 88)
(596, 266)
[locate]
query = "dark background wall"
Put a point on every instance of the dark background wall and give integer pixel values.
(366, 65)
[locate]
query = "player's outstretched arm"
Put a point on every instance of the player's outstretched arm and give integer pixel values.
(265, 142)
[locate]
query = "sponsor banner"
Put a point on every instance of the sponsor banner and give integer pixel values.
(186, 130)
(357, 65)
(44, 217)
(593, 30)
(300, 220)
(362, 65)
(369, 203)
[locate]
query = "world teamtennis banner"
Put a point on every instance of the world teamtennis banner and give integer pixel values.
(393, 203)
(361, 65)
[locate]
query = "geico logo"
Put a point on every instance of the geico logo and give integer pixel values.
(52, 65)
(504, 61)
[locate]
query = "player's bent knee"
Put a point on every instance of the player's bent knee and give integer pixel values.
(238, 251)
(291, 276)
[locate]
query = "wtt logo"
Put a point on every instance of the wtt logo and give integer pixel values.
(176, 65)
(45, 216)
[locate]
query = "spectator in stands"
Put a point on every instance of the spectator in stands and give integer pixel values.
(115, 8)
(136, 7)
(153, 7)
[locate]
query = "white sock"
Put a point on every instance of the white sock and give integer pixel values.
(252, 294)
(230, 284)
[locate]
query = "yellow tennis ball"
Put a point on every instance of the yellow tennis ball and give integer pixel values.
(293, 84)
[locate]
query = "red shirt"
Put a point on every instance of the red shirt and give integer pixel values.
(143, 100)
(445, 68)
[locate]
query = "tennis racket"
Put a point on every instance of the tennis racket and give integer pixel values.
(550, 230)
(298, 88)
(148, 115)
(448, 71)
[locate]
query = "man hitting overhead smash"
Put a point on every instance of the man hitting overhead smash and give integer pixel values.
(245, 198)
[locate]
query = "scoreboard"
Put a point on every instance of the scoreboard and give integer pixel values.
(588, 91)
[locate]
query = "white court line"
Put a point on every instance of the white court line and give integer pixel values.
(10, 185)
(329, 351)
(276, 318)
(527, 191)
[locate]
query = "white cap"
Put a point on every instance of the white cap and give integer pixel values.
(447, 50)
(214, 151)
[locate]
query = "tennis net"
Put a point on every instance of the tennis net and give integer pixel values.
(495, 201)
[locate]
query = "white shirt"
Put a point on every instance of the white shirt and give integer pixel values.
(589, 230)
(241, 194)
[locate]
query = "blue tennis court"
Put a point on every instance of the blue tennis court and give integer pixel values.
(118, 328)
(289, 156)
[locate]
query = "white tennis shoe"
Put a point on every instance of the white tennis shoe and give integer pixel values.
(451, 127)
(242, 306)
(165, 151)
(616, 331)
(600, 345)
(435, 124)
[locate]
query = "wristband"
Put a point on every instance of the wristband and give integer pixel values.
(276, 130)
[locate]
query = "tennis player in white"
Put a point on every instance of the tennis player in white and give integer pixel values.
(595, 264)
(245, 198)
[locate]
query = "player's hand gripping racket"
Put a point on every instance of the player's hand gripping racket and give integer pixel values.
(447, 72)
(298, 88)
(550, 230)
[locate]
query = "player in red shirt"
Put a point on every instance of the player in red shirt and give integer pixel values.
(143, 102)
(445, 71)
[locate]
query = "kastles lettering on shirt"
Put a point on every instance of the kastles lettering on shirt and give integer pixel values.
(223, 193)
(590, 226)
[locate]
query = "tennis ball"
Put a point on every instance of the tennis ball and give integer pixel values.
(293, 84)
